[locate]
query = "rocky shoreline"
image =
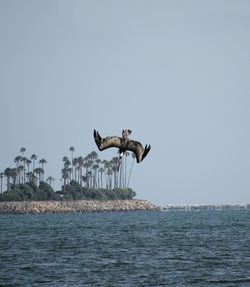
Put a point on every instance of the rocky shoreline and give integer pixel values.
(81, 206)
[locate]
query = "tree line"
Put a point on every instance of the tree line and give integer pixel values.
(92, 172)
(86, 177)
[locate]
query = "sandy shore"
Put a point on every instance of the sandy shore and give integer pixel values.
(41, 207)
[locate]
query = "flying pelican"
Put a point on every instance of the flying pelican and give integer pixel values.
(122, 143)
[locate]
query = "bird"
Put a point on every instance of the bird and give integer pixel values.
(123, 143)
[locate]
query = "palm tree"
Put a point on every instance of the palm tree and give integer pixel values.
(87, 165)
(31, 177)
(106, 167)
(17, 160)
(121, 173)
(66, 161)
(95, 168)
(65, 176)
(80, 163)
(66, 169)
(74, 167)
(109, 173)
(125, 169)
(42, 162)
(39, 171)
(14, 174)
(28, 162)
(114, 165)
(70, 171)
(94, 155)
(7, 174)
(24, 161)
(20, 171)
(101, 170)
(50, 179)
(22, 150)
(133, 156)
(72, 150)
(89, 162)
(98, 162)
(1, 178)
(34, 158)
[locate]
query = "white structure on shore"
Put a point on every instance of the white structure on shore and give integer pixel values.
(199, 207)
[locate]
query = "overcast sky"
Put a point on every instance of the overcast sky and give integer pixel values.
(175, 72)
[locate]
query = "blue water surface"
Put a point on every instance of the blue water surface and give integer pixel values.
(208, 248)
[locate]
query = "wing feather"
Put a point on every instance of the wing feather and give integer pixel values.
(137, 148)
(112, 141)
(123, 144)
(108, 142)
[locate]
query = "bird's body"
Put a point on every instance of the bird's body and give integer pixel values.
(122, 143)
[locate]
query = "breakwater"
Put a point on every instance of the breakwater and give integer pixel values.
(41, 207)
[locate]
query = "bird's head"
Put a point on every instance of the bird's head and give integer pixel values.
(126, 133)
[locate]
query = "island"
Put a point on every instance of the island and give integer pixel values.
(87, 184)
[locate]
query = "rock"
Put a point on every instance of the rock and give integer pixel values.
(40, 207)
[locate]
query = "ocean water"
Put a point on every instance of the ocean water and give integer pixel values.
(208, 248)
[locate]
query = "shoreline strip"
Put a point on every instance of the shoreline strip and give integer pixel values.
(76, 206)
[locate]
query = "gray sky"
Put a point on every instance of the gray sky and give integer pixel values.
(175, 72)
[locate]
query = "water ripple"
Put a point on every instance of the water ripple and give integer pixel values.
(126, 249)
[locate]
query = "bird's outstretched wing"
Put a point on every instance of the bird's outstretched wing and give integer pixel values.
(104, 143)
(137, 148)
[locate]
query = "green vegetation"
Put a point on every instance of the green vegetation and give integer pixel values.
(82, 178)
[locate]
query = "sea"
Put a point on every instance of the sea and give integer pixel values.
(184, 248)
